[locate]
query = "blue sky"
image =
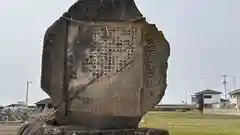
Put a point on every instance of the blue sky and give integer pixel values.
(204, 38)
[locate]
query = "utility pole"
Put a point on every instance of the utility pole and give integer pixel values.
(225, 85)
(234, 82)
(186, 97)
(26, 98)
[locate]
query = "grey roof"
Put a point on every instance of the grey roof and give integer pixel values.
(237, 91)
(45, 101)
(14, 105)
(208, 91)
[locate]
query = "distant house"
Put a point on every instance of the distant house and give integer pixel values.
(235, 98)
(45, 102)
(212, 98)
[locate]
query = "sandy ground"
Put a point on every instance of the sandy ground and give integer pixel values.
(9, 129)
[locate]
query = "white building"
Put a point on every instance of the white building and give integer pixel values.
(212, 99)
(235, 98)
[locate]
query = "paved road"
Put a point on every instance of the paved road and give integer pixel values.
(9, 129)
(222, 111)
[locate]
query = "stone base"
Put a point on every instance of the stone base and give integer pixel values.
(76, 131)
(42, 129)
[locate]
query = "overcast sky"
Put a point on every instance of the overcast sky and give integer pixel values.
(203, 34)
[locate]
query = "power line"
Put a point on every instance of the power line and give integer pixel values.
(234, 80)
(225, 82)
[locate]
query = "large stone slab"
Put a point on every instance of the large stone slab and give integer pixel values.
(103, 65)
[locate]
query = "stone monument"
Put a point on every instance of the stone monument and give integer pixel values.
(104, 67)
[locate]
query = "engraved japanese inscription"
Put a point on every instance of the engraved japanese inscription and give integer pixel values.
(111, 50)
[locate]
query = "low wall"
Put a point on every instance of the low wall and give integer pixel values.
(222, 111)
(174, 107)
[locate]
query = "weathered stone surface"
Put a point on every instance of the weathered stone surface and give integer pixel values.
(103, 65)
(35, 128)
